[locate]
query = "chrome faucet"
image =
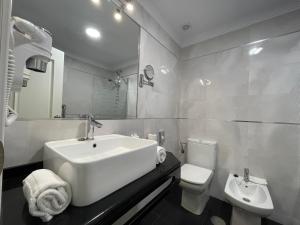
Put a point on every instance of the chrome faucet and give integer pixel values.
(91, 124)
(90, 127)
(246, 175)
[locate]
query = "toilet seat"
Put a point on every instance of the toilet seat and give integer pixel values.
(195, 175)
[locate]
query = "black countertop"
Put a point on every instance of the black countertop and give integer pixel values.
(105, 211)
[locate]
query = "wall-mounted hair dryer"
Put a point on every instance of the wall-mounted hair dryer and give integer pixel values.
(29, 46)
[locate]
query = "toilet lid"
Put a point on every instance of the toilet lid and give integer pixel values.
(195, 174)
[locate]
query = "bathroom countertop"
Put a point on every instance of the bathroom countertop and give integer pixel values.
(105, 211)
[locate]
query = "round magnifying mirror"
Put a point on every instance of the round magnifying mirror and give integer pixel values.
(149, 72)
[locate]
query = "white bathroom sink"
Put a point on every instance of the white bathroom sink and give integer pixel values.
(96, 168)
(250, 196)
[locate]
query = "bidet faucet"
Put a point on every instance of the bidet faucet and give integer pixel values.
(90, 126)
(246, 175)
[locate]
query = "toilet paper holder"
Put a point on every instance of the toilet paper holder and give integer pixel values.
(161, 137)
(183, 146)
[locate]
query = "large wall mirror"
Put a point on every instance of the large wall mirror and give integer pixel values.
(94, 65)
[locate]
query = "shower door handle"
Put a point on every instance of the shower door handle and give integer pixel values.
(1, 157)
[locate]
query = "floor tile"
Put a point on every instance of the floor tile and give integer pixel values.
(169, 212)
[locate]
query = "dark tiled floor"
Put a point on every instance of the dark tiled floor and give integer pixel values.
(169, 212)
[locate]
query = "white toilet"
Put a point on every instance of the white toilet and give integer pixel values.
(196, 174)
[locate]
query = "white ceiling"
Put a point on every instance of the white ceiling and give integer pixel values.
(211, 18)
(67, 20)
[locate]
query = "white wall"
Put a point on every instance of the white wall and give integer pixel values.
(256, 88)
(160, 101)
(152, 27)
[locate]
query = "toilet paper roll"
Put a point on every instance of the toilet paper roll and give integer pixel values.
(161, 154)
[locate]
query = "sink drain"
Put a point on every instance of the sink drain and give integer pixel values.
(246, 199)
(215, 220)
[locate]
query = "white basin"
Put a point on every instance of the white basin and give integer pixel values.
(250, 196)
(96, 168)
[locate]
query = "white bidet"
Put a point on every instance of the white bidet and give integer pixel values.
(251, 200)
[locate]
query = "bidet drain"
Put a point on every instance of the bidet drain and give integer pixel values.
(246, 199)
(215, 220)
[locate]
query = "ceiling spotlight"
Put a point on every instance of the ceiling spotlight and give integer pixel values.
(96, 2)
(118, 15)
(255, 50)
(92, 33)
(129, 5)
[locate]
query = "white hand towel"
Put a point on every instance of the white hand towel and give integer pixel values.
(47, 194)
(161, 155)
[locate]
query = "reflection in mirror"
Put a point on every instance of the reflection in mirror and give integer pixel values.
(149, 72)
(149, 75)
(94, 64)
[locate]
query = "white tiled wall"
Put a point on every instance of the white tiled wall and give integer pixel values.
(149, 24)
(170, 127)
(270, 28)
(24, 140)
(221, 83)
(160, 101)
(87, 89)
(240, 88)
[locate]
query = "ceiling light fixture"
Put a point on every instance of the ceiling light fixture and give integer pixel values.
(96, 2)
(255, 50)
(118, 15)
(129, 5)
(92, 33)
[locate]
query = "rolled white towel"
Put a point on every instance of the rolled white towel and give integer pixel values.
(161, 155)
(47, 194)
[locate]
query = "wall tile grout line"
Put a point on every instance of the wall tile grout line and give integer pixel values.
(237, 46)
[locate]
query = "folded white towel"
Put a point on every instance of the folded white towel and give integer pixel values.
(161, 155)
(47, 194)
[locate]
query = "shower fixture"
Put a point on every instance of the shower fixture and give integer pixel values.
(149, 75)
(117, 81)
